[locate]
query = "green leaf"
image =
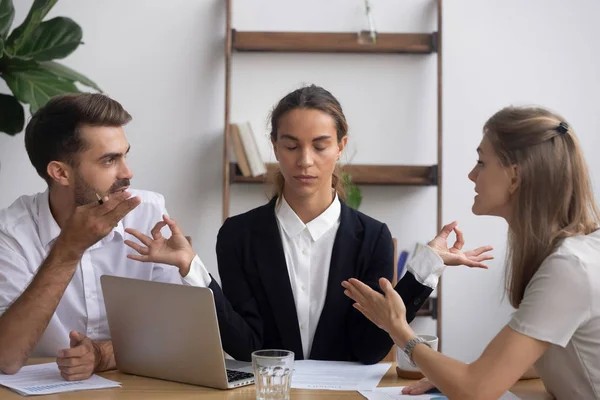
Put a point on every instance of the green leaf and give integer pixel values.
(12, 117)
(353, 193)
(7, 14)
(1, 47)
(67, 73)
(36, 86)
(55, 38)
(353, 197)
(16, 64)
(36, 14)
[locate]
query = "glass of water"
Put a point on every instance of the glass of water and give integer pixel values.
(273, 373)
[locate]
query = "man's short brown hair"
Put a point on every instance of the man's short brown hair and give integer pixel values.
(53, 134)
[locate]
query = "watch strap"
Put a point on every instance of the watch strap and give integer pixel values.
(410, 346)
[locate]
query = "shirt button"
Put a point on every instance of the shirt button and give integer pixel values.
(303, 288)
(305, 252)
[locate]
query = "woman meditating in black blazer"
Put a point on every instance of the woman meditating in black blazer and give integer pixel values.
(282, 264)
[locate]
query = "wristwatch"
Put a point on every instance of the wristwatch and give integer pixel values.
(410, 346)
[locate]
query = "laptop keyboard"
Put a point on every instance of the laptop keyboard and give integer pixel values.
(233, 376)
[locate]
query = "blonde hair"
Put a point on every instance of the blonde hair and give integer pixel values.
(315, 98)
(554, 199)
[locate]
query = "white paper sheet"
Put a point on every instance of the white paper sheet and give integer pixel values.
(395, 393)
(45, 379)
(337, 375)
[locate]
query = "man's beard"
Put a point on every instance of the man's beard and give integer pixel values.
(85, 194)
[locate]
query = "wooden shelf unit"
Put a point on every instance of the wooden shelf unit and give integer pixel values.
(343, 42)
(426, 310)
(407, 175)
(333, 42)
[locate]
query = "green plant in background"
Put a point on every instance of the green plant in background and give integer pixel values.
(353, 194)
(26, 61)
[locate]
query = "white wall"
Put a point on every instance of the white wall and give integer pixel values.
(164, 62)
(497, 53)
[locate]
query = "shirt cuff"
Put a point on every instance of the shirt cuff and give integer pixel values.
(198, 275)
(427, 267)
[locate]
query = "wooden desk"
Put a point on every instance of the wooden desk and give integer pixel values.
(136, 387)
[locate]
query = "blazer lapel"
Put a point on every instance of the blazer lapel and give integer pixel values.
(346, 248)
(272, 267)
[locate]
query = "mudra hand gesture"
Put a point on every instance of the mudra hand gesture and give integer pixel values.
(175, 250)
(454, 255)
(388, 311)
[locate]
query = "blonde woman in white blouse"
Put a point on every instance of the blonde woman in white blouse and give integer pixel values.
(531, 172)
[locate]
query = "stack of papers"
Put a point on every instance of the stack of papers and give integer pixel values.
(395, 393)
(337, 375)
(46, 379)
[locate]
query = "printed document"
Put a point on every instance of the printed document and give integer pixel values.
(46, 379)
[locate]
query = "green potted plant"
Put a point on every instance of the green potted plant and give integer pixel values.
(27, 63)
(353, 194)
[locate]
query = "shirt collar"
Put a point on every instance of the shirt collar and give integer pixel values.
(49, 229)
(117, 230)
(293, 225)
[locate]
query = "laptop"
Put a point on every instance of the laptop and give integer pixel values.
(168, 331)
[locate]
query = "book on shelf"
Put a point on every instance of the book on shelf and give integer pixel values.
(237, 153)
(246, 150)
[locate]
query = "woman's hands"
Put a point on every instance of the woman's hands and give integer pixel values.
(387, 310)
(454, 255)
(418, 387)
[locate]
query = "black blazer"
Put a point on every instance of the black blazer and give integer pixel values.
(256, 308)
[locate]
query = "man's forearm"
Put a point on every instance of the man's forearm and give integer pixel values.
(106, 357)
(24, 322)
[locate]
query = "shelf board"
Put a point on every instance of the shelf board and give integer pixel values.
(331, 42)
(425, 310)
(409, 175)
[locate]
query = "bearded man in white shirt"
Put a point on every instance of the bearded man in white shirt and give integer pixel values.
(55, 245)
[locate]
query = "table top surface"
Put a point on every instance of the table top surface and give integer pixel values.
(134, 387)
